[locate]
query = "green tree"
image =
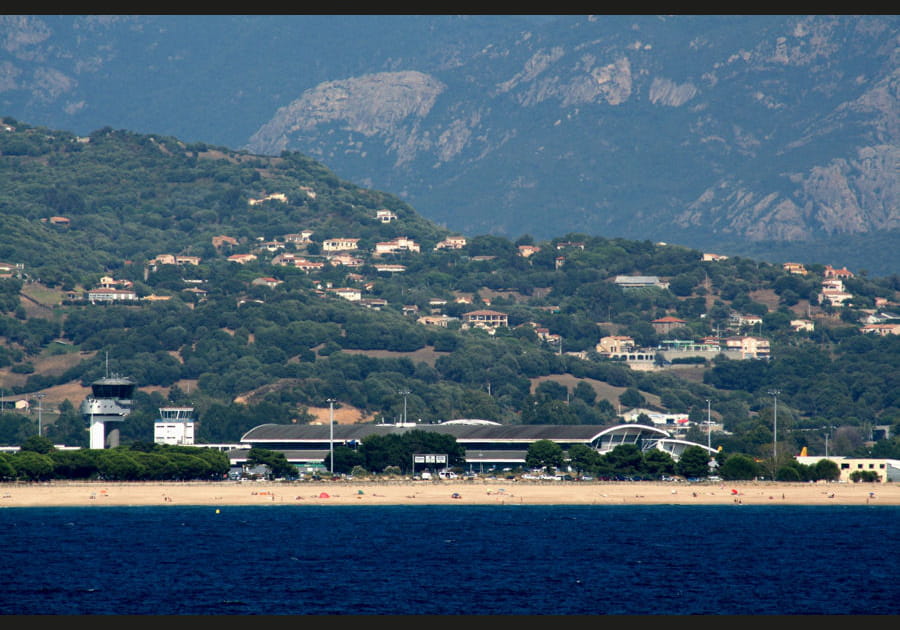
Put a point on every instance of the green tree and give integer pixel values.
(658, 463)
(37, 444)
(544, 454)
(583, 458)
(276, 462)
(631, 397)
(694, 462)
(7, 469)
(74, 464)
(739, 467)
(119, 464)
(625, 459)
(32, 466)
(827, 470)
(345, 459)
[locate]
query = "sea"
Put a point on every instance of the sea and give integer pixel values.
(450, 560)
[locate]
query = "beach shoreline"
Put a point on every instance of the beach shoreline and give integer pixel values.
(475, 492)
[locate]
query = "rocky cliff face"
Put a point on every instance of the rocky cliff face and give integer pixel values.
(390, 105)
(786, 130)
(705, 130)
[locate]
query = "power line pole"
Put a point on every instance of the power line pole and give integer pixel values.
(774, 394)
(40, 398)
(331, 434)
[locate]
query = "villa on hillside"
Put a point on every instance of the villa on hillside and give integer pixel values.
(636, 282)
(486, 319)
(842, 273)
(385, 216)
(339, 244)
(749, 347)
(111, 295)
(272, 197)
(665, 325)
(452, 242)
(399, 244)
(615, 345)
(795, 268)
(299, 238)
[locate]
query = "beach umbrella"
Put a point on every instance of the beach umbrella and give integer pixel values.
(455, 495)
(324, 495)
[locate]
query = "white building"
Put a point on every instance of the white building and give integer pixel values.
(175, 426)
(887, 469)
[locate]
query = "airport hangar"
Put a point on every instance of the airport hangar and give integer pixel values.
(488, 445)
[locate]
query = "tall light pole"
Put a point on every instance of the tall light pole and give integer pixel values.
(40, 398)
(331, 433)
(774, 394)
(708, 425)
(404, 393)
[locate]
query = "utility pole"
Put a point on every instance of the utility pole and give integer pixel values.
(404, 393)
(708, 425)
(40, 398)
(331, 434)
(774, 394)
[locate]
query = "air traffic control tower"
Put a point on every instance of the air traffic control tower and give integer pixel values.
(110, 401)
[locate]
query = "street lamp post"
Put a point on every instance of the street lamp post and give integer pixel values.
(331, 434)
(774, 393)
(40, 398)
(404, 393)
(708, 425)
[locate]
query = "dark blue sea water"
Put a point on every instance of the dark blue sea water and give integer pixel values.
(450, 560)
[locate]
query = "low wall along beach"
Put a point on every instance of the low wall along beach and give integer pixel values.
(477, 492)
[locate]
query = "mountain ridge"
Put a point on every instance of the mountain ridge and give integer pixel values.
(771, 136)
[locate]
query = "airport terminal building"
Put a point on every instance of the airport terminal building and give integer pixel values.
(489, 445)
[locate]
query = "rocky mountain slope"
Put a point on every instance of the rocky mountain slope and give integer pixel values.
(772, 136)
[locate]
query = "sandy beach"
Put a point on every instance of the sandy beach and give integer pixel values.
(477, 492)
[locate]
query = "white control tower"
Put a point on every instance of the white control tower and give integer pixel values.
(110, 401)
(174, 426)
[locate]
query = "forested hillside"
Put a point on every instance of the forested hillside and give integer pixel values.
(772, 137)
(256, 288)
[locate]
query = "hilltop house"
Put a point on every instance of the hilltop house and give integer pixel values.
(111, 295)
(615, 345)
(452, 242)
(339, 244)
(486, 319)
(300, 238)
(272, 197)
(664, 325)
(220, 241)
(267, 281)
(345, 260)
(795, 268)
(385, 216)
(842, 273)
(442, 321)
(348, 293)
(636, 282)
(882, 329)
(399, 244)
(749, 347)
(833, 292)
